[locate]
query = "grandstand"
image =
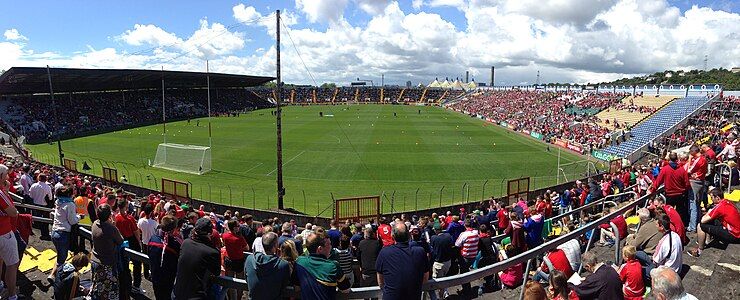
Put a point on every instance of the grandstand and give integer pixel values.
(632, 110)
(659, 124)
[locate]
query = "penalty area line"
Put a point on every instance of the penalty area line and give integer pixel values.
(285, 163)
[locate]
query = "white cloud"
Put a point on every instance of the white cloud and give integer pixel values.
(322, 11)
(604, 42)
(149, 35)
(372, 7)
(416, 4)
(13, 35)
(246, 14)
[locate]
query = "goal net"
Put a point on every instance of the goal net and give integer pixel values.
(183, 158)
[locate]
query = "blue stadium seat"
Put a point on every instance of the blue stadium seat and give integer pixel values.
(657, 124)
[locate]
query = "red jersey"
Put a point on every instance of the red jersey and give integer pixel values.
(631, 275)
(126, 224)
(676, 180)
(6, 222)
(559, 261)
(385, 234)
(235, 245)
(503, 219)
(571, 296)
(726, 213)
(697, 168)
(676, 222)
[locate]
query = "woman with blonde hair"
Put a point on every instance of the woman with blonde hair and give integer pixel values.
(288, 252)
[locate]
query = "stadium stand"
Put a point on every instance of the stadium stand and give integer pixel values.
(720, 116)
(657, 125)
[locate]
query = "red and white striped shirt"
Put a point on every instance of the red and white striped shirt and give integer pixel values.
(468, 243)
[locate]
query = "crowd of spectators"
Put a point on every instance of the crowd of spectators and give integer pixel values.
(37, 117)
(705, 127)
(187, 246)
(540, 112)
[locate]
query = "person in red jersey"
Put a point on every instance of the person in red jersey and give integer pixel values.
(721, 222)
(631, 275)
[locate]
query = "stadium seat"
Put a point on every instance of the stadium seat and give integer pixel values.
(657, 124)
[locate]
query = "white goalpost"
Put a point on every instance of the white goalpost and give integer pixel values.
(192, 159)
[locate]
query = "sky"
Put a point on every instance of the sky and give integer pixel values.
(339, 41)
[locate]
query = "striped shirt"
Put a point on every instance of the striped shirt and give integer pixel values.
(468, 243)
(345, 261)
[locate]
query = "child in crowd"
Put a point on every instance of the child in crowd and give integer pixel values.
(631, 275)
(67, 280)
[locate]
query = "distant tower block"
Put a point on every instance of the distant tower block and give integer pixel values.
(493, 74)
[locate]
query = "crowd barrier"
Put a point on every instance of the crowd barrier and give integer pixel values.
(440, 283)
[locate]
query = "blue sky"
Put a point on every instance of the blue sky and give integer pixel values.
(568, 40)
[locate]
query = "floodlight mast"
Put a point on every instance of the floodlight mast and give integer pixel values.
(56, 120)
(279, 94)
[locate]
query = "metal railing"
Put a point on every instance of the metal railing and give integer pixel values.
(432, 284)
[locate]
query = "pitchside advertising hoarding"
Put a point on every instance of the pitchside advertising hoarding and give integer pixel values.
(569, 145)
(603, 156)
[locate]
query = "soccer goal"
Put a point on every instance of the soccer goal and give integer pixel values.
(183, 158)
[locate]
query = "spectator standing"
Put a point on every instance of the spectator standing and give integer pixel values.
(676, 181)
(106, 242)
(533, 227)
(345, 259)
(385, 232)
(164, 250)
(65, 216)
(287, 234)
(41, 194)
(307, 231)
(267, 274)
(441, 257)
(697, 169)
(515, 232)
(126, 225)
(602, 284)
(667, 285)
(334, 234)
(488, 256)
(8, 243)
(367, 254)
(721, 222)
(198, 262)
(467, 242)
(148, 227)
(402, 269)
(235, 245)
(319, 276)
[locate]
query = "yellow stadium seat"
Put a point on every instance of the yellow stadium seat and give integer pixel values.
(633, 220)
(734, 196)
(32, 252)
(27, 263)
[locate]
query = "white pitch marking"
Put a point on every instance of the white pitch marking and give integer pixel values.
(252, 168)
(285, 163)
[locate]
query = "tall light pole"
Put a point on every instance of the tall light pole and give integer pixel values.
(279, 93)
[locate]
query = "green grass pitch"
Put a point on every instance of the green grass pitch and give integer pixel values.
(419, 158)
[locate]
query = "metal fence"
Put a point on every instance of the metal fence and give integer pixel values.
(450, 281)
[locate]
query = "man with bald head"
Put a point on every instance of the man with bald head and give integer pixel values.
(267, 274)
(667, 285)
(402, 269)
(319, 276)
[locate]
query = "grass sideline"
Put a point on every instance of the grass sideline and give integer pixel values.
(418, 157)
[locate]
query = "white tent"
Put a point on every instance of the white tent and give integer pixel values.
(434, 84)
(445, 85)
(457, 85)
